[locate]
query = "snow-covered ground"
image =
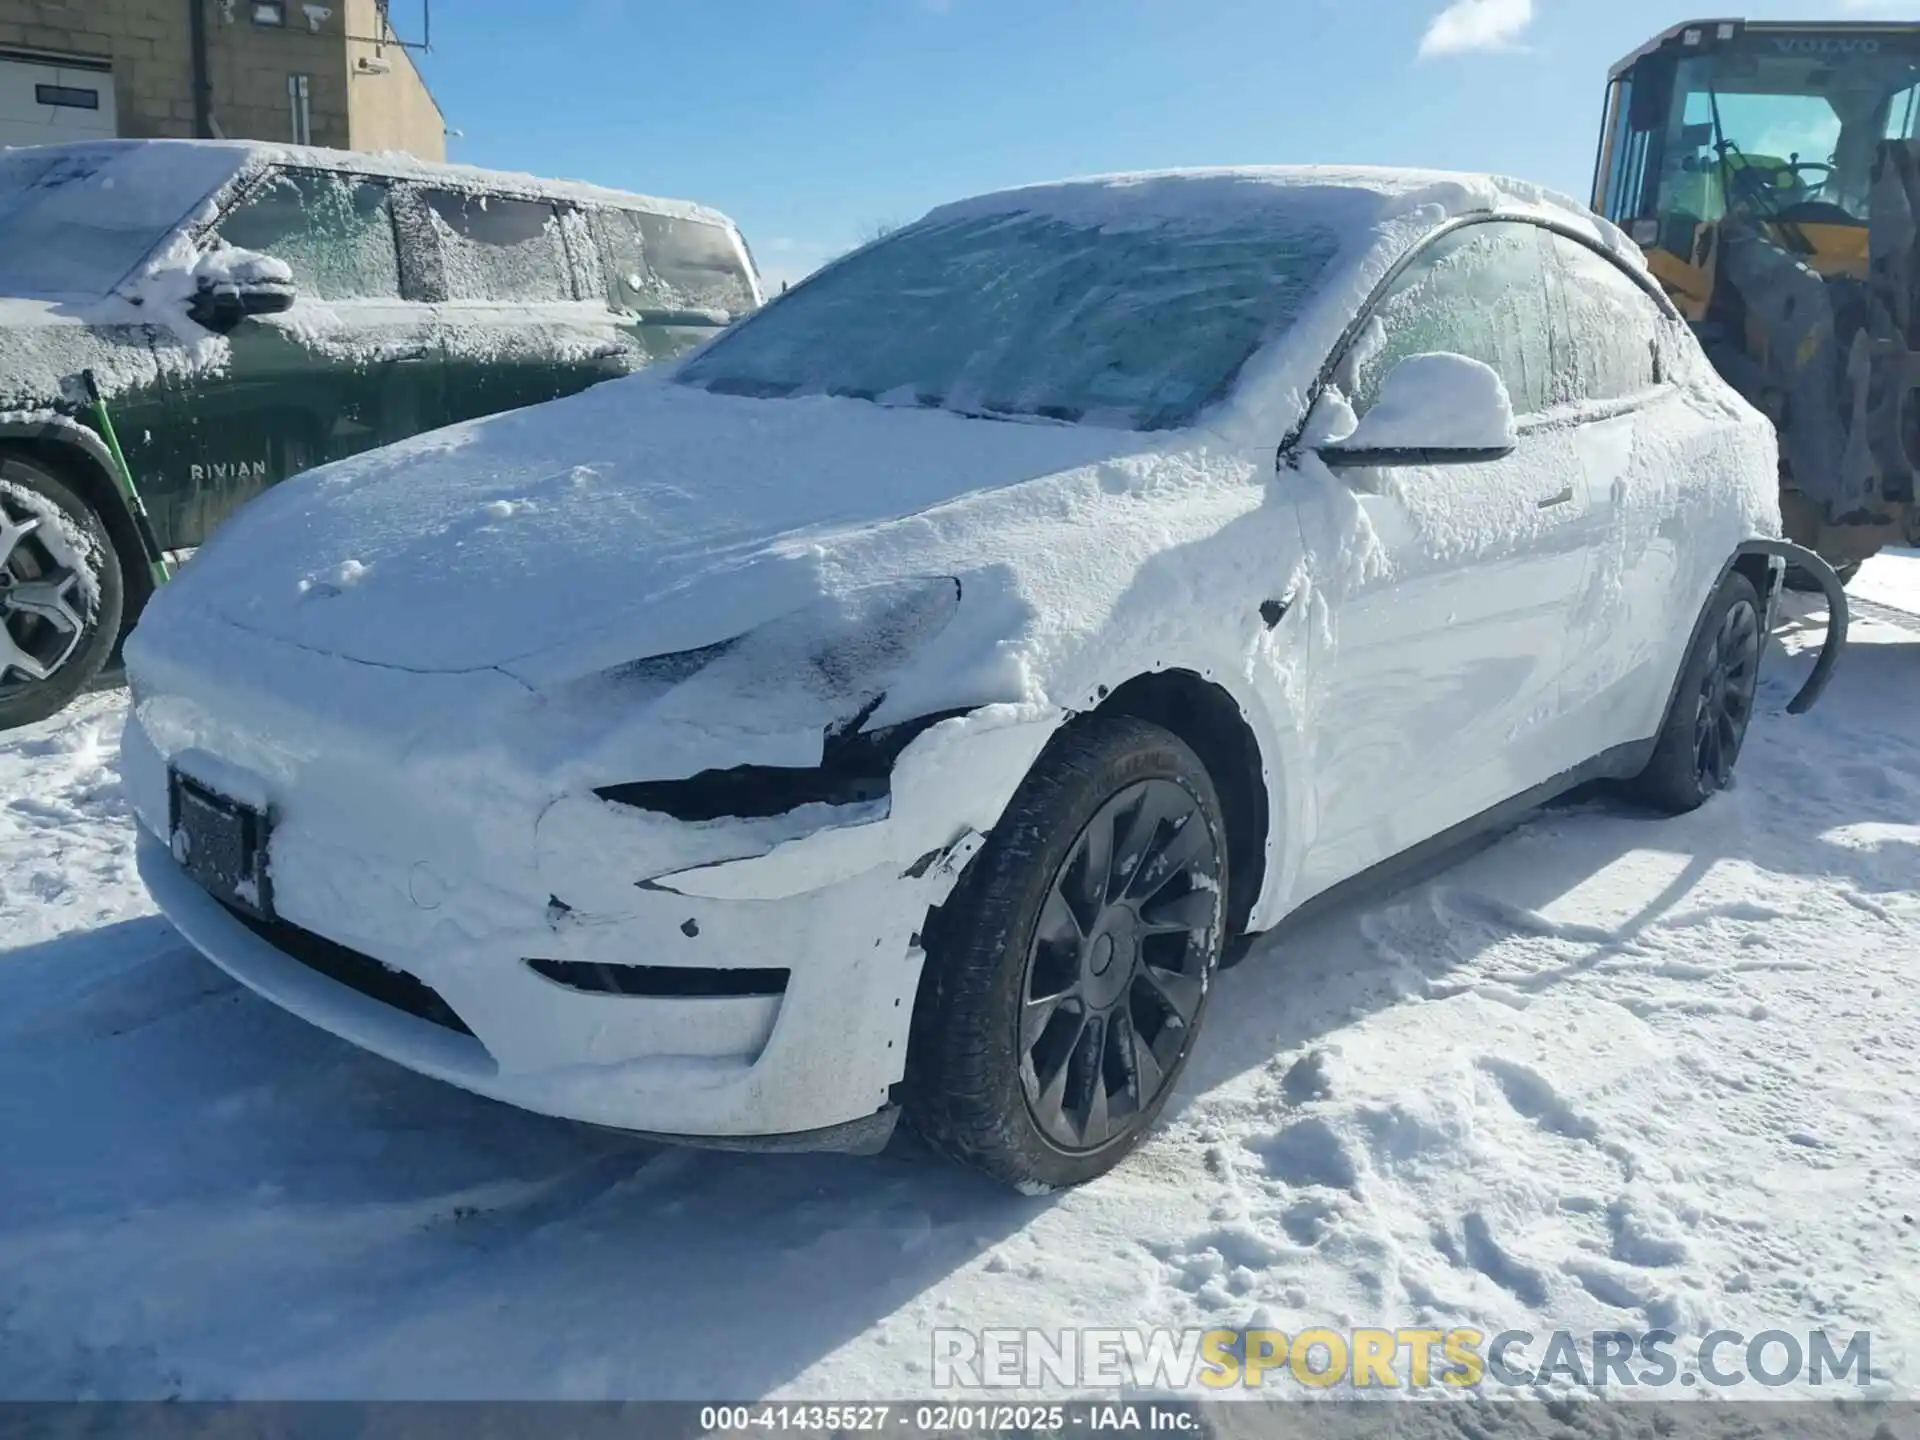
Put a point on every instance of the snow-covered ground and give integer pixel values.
(1890, 578)
(1609, 1073)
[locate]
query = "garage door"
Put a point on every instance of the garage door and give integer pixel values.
(43, 101)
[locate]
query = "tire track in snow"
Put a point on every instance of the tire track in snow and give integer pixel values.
(1885, 614)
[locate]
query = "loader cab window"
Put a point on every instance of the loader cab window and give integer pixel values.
(1776, 126)
(1626, 156)
(1902, 114)
(1753, 152)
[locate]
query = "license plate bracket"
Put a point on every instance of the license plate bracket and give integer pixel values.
(221, 843)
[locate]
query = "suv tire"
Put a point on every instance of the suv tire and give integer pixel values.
(1069, 973)
(1706, 724)
(61, 593)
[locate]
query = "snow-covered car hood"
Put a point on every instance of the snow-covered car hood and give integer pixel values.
(637, 519)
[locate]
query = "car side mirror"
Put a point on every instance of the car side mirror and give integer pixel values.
(220, 308)
(231, 284)
(1432, 410)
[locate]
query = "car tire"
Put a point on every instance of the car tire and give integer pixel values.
(1712, 706)
(51, 651)
(1068, 975)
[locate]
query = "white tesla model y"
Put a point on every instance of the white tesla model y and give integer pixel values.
(902, 705)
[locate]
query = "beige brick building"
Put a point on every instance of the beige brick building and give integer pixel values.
(328, 73)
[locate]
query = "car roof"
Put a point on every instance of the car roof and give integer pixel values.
(1357, 194)
(1355, 202)
(252, 155)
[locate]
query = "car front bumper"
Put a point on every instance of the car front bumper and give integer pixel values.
(406, 910)
(812, 1067)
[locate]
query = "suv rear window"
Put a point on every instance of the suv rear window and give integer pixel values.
(335, 232)
(496, 248)
(655, 262)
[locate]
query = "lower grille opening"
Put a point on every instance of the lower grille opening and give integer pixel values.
(355, 971)
(675, 982)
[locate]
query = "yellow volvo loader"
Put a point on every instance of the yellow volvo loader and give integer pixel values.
(1772, 174)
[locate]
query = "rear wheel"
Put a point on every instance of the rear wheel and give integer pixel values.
(1069, 974)
(1712, 706)
(61, 593)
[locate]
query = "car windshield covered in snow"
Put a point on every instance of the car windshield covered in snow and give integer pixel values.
(1138, 327)
(76, 219)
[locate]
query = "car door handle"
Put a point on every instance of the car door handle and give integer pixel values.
(1565, 497)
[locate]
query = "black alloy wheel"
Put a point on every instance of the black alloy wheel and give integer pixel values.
(1068, 974)
(1712, 705)
(1118, 965)
(1723, 705)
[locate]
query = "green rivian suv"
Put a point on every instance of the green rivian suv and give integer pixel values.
(184, 323)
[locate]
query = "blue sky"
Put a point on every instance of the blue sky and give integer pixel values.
(813, 121)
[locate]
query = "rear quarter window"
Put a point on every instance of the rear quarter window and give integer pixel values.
(496, 247)
(1607, 332)
(659, 262)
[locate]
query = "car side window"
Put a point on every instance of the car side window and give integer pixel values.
(661, 262)
(1607, 329)
(1480, 291)
(496, 247)
(335, 232)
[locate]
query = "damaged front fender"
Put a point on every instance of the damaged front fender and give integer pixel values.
(948, 790)
(945, 793)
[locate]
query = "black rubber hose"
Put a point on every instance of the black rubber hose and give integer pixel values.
(1838, 615)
